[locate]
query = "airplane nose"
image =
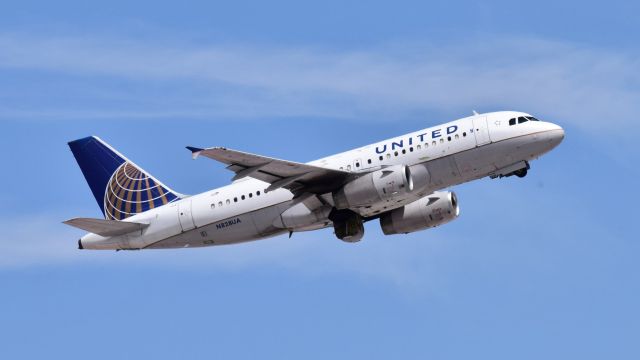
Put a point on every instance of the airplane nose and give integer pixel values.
(554, 135)
(558, 134)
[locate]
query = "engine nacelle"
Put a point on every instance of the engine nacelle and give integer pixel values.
(430, 211)
(374, 187)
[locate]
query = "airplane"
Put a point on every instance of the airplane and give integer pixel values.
(400, 181)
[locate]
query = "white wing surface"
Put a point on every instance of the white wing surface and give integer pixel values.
(294, 176)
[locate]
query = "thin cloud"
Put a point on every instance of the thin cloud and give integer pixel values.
(42, 241)
(594, 89)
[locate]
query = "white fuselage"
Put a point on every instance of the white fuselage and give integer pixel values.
(452, 153)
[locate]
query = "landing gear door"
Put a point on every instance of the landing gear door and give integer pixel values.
(481, 130)
(185, 216)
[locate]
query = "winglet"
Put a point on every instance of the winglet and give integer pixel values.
(195, 152)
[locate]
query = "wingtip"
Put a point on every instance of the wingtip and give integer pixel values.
(194, 151)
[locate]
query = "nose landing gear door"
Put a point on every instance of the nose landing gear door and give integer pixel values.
(481, 130)
(185, 216)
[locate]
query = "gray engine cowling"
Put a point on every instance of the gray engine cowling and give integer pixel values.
(430, 211)
(378, 186)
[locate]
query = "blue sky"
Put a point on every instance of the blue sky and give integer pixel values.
(541, 267)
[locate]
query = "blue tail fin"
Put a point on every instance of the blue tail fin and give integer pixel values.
(121, 188)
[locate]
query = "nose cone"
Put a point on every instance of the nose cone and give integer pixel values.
(556, 134)
(550, 136)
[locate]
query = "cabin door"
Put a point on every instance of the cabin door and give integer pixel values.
(481, 130)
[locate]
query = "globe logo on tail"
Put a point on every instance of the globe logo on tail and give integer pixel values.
(131, 191)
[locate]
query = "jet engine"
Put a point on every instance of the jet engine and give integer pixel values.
(382, 185)
(430, 211)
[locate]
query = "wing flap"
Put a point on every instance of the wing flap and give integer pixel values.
(295, 176)
(104, 227)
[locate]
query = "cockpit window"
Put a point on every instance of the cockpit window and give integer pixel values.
(521, 119)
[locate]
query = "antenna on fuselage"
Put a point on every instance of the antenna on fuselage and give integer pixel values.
(475, 112)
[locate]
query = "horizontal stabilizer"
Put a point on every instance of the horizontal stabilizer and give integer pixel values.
(105, 227)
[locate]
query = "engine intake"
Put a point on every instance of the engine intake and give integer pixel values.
(430, 211)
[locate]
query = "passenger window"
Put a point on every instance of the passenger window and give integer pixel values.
(395, 153)
(213, 206)
(419, 147)
(411, 149)
(228, 201)
(250, 195)
(357, 164)
(433, 143)
(368, 161)
(457, 136)
(448, 138)
(380, 157)
(512, 121)
(441, 141)
(464, 134)
(258, 193)
(220, 204)
(235, 199)
(388, 156)
(348, 167)
(521, 119)
(404, 151)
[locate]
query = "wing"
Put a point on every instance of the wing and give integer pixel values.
(104, 227)
(297, 177)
